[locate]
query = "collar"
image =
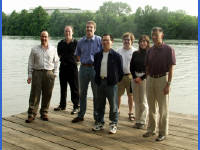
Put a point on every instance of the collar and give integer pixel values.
(161, 46)
(85, 38)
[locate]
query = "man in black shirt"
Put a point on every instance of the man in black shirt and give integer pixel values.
(68, 70)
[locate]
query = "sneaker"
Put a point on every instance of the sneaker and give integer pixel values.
(30, 119)
(59, 108)
(160, 138)
(113, 129)
(148, 134)
(74, 111)
(77, 119)
(98, 127)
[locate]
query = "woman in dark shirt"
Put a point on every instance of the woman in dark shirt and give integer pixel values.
(138, 71)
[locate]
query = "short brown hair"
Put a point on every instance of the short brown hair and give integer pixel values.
(146, 38)
(156, 29)
(129, 34)
(92, 22)
(70, 27)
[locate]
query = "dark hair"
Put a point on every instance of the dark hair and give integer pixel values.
(106, 34)
(146, 38)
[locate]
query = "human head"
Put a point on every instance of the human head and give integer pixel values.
(157, 35)
(144, 42)
(90, 29)
(107, 41)
(68, 31)
(128, 39)
(44, 37)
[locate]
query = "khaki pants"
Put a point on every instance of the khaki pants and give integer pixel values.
(156, 97)
(42, 81)
(140, 99)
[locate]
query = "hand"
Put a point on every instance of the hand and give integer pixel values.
(29, 80)
(166, 90)
(138, 80)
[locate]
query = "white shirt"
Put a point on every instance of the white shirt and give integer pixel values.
(126, 58)
(43, 59)
(104, 63)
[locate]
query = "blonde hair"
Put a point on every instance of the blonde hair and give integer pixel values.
(129, 34)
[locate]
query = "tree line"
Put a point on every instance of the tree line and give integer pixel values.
(112, 17)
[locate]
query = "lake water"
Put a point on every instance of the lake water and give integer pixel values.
(15, 90)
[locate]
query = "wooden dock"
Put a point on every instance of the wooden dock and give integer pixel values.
(60, 134)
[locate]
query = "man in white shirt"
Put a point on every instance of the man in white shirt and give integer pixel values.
(42, 70)
(126, 53)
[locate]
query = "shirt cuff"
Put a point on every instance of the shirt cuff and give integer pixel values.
(30, 75)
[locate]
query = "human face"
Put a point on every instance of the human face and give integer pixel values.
(90, 30)
(44, 37)
(107, 43)
(68, 32)
(143, 44)
(157, 37)
(127, 43)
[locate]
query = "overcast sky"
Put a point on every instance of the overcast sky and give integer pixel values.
(189, 6)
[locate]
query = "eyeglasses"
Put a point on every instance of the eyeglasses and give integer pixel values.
(126, 40)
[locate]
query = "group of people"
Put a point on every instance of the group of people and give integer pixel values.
(145, 74)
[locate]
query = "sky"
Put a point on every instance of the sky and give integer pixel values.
(189, 6)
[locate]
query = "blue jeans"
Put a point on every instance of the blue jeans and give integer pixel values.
(110, 92)
(87, 74)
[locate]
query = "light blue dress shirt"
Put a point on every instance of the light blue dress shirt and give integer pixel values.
(87, 48)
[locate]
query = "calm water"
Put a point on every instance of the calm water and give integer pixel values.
(15, 90)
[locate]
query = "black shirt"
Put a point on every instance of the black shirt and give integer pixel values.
(138, 63)
(66, 52)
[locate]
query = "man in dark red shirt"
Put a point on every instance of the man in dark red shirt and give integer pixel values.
(160, 60)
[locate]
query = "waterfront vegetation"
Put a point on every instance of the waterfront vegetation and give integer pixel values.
(112, 17)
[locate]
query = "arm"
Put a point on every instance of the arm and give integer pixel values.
(132, 68)
(78, 51)
(59, 50)
(56, 62)
(30, 66)
(166, 89)
(120, 64)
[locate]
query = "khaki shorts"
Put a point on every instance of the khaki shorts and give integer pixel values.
(125, 83)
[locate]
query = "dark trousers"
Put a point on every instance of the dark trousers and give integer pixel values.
(42, 82)
(69, 75)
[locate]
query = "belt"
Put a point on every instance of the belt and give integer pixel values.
(42, 70)
(103, 78)
(87, 65)
(158, 75)
(127, 74)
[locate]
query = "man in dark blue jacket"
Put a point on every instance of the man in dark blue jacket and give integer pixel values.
(109, 71)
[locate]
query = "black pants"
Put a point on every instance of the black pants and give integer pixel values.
(69, 75)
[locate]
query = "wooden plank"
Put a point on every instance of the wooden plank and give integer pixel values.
(9, 146)
(77, 132)
(27, 141)
(44, 135)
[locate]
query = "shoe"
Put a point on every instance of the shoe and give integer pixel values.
(98, 127)
(77, 119)
(30, 119)
(44, 117)
(131, 116)
(160, 138)
(138, 126)
(59, 108)
(148, 134)
(113, 129)
(74, 111)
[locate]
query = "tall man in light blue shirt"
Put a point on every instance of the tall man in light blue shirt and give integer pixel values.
(87, 47)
